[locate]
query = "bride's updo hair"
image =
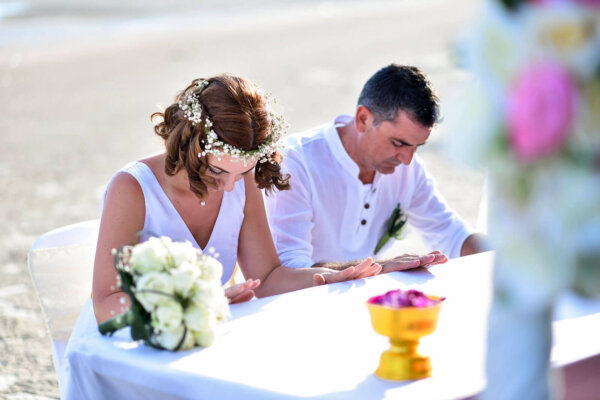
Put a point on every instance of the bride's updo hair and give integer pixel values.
(240, 117)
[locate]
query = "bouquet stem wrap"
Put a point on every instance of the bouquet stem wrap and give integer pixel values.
(112, 325)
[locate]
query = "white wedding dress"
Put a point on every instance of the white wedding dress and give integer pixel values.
(161, 219)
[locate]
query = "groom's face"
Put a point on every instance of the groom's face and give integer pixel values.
(392, 143)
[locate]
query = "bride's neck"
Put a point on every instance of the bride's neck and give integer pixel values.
(178, 183)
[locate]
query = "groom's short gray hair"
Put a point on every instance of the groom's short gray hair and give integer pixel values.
(400, 87)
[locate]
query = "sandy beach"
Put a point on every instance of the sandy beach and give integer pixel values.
(78, 84)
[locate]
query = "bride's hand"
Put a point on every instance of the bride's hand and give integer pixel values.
(242, 291)
(363, 270)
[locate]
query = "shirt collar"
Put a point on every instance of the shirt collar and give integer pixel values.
(337, 147)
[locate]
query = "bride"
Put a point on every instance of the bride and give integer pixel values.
(221, 148)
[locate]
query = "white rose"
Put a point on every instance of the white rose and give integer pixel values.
(198, 318)
(206, 294)
(182, 252)
(212, 270)
(221, 307)
(169, 339)
(183, 278)
(211, 297)
(149, 256)
(147, 285)
(167, 316)
(204, 337)
(189, 342)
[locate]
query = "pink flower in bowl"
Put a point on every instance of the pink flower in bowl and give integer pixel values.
(405, 298)
(540, 111)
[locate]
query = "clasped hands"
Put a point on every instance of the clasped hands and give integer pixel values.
(245, 291)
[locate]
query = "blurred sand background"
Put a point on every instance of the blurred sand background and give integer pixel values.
(79, 81)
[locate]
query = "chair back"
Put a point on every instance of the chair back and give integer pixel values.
(61, 264)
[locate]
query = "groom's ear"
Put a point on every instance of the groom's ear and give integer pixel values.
(363, 118)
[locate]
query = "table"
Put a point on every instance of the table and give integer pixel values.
(318, 343)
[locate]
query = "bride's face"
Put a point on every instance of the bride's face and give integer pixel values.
(226, 170)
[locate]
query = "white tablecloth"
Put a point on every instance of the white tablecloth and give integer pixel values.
(313, 343)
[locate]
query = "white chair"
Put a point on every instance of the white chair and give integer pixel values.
(61, 264)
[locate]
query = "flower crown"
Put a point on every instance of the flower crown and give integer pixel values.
(193, 110)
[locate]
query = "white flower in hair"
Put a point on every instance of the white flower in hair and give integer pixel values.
(191, 106)
(193, 111)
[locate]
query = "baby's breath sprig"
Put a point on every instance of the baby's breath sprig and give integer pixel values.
(194, 112)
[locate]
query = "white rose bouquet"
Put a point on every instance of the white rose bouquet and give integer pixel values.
(177, 300)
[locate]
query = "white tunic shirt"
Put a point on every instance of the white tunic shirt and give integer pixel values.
(330, 215)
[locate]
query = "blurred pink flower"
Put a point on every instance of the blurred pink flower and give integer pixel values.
(540, 111)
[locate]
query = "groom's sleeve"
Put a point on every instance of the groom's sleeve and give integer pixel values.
(440, 227)
(290, 215)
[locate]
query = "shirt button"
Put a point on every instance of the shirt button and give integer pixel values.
(363, 222)
(374, 189)
(367, 205)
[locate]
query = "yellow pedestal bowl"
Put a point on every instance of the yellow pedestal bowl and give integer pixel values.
(404, 327)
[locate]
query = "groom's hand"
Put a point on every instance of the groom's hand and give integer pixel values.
(409, 261)
(363, 270)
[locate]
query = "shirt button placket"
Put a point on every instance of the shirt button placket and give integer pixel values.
(366, 207)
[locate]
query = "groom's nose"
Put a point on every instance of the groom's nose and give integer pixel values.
(406, 154)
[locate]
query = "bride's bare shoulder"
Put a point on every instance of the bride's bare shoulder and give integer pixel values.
(124, 187)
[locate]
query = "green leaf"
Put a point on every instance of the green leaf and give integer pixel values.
(394, 227)
(384, 239)
(512, 5)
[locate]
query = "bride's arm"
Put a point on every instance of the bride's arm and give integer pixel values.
(258, 258)
(122, 217)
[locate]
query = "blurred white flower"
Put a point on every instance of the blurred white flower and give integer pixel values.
(153, 289)
(198, 318)
(206, 293)
(586, 132)
(189, 341)
(212, 269)
(182, 252)
(169, 339)
(532, 260)
(204, 337)
(495, 49)
(167, 316)
(149, 256)
(470, 125)
(566, 32)
(184, 276)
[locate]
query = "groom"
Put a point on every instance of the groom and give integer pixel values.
(348, 177)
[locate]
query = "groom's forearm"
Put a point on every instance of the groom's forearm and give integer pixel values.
(338, 266)
(473, 244)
